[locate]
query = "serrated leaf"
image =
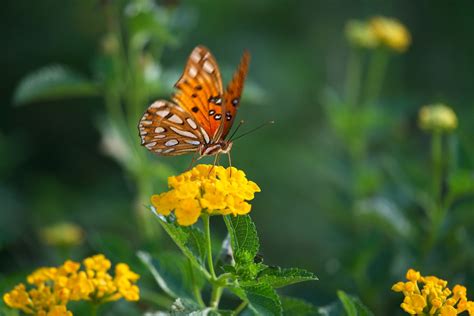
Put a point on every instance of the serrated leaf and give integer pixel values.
(294, 306)
(191, 241)
(277, 277)
(53, 82)
(263, 300)
(243, 236)
(352, 305)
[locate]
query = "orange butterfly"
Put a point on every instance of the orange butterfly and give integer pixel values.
(201, 113)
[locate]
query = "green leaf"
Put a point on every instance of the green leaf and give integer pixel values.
(352, 305)
(53, 82)
(243, 237)
(191, 241)
(278, 277)
(294, 306)
(263, 300)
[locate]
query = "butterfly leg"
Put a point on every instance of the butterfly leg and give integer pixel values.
(192, 161)
(230, 164)
(216, 161)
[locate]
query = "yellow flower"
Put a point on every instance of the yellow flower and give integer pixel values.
(434, 298)
(437, 117)
(53, 287)
(361, 34)
(62, 234)
(205, 188)
(390, 33)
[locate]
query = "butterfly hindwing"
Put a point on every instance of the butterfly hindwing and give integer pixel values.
(167, 129)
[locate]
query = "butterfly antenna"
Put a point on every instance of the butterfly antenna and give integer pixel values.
(236, 129)
(254, 129)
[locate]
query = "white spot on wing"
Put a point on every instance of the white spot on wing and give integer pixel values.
(143, 133)
(146, 122)
(157, 104)
(182, 133)
(175, 119)
(163, 113)
(193, 142)
(168, 150)
(208, 67)
(159, 129)
(171, 142)
(150, 145)
(191, 123)
(193, 71)
(159, 136)
(195, 56)
(206, 137)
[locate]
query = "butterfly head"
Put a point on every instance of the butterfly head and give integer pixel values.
(221, 147)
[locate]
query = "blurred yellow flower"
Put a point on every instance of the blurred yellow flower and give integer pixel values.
(53, 287)
(360, 33)
(62, 234)
(390, 33)
(205, 188)
(434, 298)
(437, 117)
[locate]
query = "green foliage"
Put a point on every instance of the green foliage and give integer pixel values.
(353, 305)
(54, 82)
(278, 277)
(263, 299)
(243, 236)
(294, 306)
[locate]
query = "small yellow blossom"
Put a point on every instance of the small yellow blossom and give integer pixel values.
(390, 33)
(62, 234)
(53, 287)
(434, 298)
(205, 188)
(360, 34)
(437, 117)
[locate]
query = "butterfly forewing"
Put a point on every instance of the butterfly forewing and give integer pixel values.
(167, 129)
(199, 90)
(233, 93)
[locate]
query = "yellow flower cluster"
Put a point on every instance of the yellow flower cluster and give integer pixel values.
(53, 287)
(437, 117)
(212, 189)
(435, 298)
(379, 31)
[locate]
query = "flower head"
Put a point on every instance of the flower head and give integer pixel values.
(53, 287)
(62, 234)
(205, 188)
(360, 34)
(390, 33)
(434, 298)
(437, 117)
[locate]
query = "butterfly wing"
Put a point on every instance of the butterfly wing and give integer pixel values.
(169, 130)
(200, 92)
(233, 93)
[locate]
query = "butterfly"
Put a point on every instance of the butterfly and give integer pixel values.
(200, 114)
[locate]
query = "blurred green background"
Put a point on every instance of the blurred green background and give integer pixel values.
(316, 206)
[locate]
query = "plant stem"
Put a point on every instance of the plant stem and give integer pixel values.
(216, 295)
(94, 309)
(240, 308)
(353, 77)
(207, 232)
(376, 73)
(436, 157)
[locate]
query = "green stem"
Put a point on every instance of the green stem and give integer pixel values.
(216, 295)
(353, 77)
(436, 157)
(94, 309)
(376, 73)
(240, 308)
(207, 232)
